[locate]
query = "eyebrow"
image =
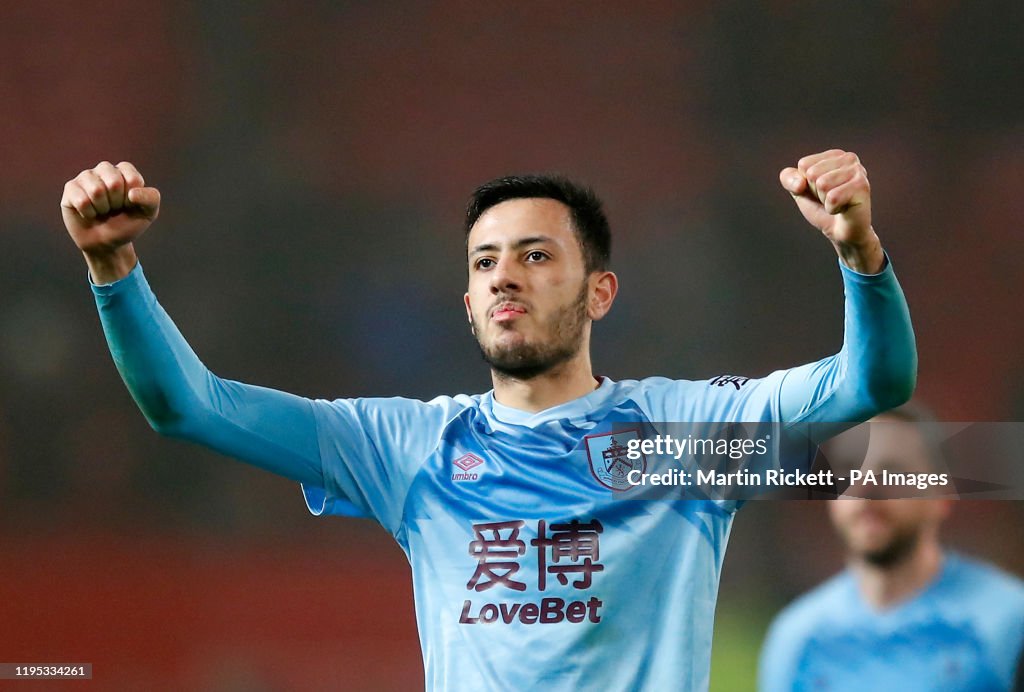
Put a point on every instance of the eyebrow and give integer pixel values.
(521, 243)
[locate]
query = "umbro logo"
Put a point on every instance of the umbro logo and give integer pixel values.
(467, 462)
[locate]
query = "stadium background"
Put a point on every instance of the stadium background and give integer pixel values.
(314, 159)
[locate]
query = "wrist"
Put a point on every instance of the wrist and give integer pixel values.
(109, 266)
(864, 256)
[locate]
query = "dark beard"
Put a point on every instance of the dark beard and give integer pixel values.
(527, 361)
(898, 549)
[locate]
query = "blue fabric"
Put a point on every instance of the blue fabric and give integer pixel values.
(530, 568)
(964, 631)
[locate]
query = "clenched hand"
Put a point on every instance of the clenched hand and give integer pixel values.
(106, 208)
(832, 191)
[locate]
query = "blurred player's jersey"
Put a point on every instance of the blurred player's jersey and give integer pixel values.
(964, 631)
(535, 566)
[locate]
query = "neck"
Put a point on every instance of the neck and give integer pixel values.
(565, 382)
(883, 587)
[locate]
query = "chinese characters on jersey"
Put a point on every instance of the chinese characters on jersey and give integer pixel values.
(568, 552)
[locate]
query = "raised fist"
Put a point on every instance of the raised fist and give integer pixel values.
(832, 191)
(107, 207)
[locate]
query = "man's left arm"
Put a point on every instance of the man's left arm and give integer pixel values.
(876, 369)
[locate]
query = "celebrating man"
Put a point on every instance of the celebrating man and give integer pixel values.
(529, 571)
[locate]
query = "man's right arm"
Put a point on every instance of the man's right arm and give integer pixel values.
(180, 397)
(105, 209)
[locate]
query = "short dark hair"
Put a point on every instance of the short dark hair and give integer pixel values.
(588, 218)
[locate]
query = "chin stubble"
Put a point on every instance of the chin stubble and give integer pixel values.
(527, 361)
(894, 552)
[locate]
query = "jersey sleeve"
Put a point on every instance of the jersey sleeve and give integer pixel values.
(180, 397)
(372, 449)
(364, 447)
(875, 370)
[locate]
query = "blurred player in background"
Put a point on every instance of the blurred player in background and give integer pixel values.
(528, 572)
(907, 613)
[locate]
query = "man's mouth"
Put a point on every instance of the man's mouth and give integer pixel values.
(507, 311)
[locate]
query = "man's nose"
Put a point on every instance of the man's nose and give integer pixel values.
(506, 277)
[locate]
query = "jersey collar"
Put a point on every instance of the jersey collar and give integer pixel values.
(575, 409)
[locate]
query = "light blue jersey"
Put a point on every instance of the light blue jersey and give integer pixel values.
(964, 631)
(529, 569)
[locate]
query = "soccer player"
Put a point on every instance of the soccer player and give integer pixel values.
(906, 614)
(528, 570)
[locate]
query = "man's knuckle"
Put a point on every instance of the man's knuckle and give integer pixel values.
(131, 174)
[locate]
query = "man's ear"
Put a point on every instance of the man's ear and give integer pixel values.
(603, 287)
(469, 313)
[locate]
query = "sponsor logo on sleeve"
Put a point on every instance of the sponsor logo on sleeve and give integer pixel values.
(736, 381)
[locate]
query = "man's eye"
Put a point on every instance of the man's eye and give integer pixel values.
(536, 256)
(484, 263)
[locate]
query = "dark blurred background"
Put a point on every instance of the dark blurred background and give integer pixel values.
(314, 160)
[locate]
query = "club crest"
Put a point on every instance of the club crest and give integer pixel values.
(609, 460)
